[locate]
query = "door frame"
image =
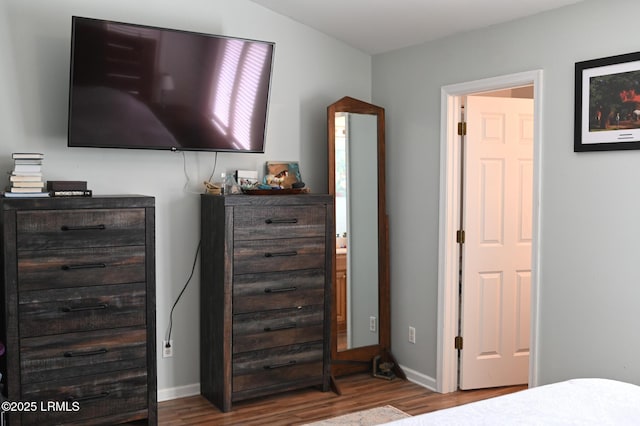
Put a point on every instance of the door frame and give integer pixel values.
(448, 261)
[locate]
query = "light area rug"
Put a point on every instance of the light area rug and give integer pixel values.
(370, 417)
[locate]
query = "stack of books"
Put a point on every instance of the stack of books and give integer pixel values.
(26, 178)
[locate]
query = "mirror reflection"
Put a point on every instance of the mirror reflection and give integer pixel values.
(356, 220)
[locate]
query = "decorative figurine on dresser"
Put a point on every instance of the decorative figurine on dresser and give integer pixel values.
(265, 295)
(78, 308)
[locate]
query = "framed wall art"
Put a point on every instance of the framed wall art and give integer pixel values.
(607, 103)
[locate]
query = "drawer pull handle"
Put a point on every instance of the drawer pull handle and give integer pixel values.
(280, 290)
(284, 364)
(71, 354)
(86, 266)
(279, 221)
(83, 228)
(281, 327)
(84, 308)
(100, 395)
(282, 254)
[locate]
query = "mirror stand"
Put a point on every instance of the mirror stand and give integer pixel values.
(361, 293)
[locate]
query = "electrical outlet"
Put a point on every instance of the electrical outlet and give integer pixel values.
(412, 334)
(372, 324)
(167, 349)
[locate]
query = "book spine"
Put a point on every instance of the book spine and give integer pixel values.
(38, 173)
(26, 178)
(27, 168)
(27, 155)
(66, 185)
(79, 193)
(25, 189)
(26, 161)
(25, 194)
(27, 184)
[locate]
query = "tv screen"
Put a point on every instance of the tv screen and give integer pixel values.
(134, 86)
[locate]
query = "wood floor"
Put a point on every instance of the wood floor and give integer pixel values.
(359, 392)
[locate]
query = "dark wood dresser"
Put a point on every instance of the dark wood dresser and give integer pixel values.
(265, 295)
(78, 307)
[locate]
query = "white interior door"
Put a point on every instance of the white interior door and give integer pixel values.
(496, 265)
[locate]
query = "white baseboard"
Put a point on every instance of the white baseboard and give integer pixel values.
(420, 379)
(178, 392)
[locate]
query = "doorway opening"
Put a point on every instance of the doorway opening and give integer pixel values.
(451, 200)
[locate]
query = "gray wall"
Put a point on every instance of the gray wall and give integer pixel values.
(310, 72)
(589, 275)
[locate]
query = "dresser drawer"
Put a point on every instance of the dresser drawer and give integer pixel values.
(97, 396)
(277, 366)
(265, 222)
(79, 354)
(278, 255)
(57, 229)
(278, 290)
(67, 310)
(49, 269)
(269, 329)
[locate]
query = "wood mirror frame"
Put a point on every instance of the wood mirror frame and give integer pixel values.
(362, 358)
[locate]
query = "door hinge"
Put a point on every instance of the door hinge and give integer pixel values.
(460, 237)
(458, 342)
(462, 128)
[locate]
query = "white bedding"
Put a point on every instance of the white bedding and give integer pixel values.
(573, 402)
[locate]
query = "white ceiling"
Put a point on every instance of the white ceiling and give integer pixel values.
(377, 26)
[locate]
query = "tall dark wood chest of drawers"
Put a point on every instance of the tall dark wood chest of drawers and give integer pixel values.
(78, 306)
(265, 295)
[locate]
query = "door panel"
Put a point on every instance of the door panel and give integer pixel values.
(496, 266)
(489, 306)
(523, 308)
(491, 201)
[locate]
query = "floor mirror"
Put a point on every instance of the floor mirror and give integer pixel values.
(361, 336)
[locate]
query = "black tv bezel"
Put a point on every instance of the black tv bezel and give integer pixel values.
(74, 19)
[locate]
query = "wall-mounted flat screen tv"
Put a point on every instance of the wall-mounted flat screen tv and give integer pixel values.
(135, 86)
